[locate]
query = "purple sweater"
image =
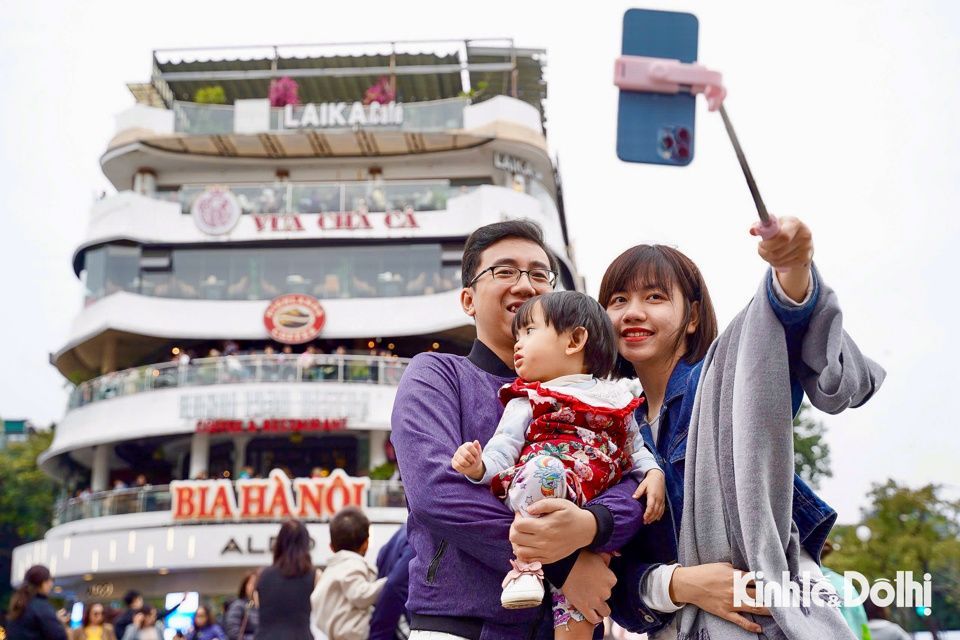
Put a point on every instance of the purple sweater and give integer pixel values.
(459, 530)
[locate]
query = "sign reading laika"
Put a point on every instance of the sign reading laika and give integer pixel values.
(217, 211)
(271, 498)
(342, 114)
(294, 318)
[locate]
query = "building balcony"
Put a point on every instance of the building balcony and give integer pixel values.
(240, 369)
(383, 496)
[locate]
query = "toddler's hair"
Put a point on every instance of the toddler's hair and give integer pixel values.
(567, 310)
(349, 529)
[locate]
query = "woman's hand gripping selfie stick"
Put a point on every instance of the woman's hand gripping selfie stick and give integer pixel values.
(660, 75)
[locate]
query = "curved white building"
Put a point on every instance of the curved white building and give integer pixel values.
(241, 228)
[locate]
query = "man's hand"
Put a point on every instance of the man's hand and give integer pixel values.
(589, 585)
(710, 587)
(654, 486)
(468, 460)
(791, 248)
(561, 529)
(138, 619)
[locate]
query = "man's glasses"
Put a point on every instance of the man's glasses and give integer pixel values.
(540, 278)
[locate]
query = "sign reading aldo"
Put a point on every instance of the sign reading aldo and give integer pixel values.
(272, 498)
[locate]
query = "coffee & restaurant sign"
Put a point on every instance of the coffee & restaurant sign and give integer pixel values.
(272, 498)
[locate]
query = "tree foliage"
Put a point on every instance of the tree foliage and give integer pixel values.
(811, 453)
(27, 498)
(28, 495)
(911, 530)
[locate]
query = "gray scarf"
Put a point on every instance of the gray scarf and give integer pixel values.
(739, 464)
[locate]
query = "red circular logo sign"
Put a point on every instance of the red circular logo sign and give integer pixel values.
(294, 318)
(216, 211)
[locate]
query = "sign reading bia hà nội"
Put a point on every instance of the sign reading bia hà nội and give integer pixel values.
(272, 498)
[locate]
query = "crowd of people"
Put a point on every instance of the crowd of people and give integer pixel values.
(289, 600)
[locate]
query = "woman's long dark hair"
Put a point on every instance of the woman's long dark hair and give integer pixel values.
(206, 610)
(291, 552)
(88, 611)
(35, 576)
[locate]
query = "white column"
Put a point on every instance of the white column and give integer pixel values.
(377, 454)
(100, 473)
(145, 182)
(239, 454)
(199, 454)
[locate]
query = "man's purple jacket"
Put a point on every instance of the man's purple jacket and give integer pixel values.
(459, 530)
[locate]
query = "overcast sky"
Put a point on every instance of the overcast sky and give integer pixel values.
(846, 111)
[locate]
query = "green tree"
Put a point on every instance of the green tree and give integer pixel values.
(27, 499)
(911, 530)
(811, 454)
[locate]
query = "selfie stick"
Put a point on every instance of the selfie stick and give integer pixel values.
(660, 75)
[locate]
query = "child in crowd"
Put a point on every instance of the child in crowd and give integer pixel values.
(565, 432)
(349, 587)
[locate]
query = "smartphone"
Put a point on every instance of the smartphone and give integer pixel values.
(658, 128)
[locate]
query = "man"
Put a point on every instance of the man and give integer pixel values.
(458, 530)
(390, 620)
(134, 601)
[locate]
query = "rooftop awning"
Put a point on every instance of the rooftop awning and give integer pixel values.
(336, 77)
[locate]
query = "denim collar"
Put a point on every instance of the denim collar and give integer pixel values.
(677, 384)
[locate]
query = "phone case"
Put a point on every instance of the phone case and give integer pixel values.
(652, 127)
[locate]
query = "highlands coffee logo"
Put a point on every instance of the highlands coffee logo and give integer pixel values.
(216, 211)
(294, 318)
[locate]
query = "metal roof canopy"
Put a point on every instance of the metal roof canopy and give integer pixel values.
(418, 69)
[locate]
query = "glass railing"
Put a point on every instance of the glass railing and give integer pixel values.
(328, 197)
(236, 369)
(155, 498)
(211, 119)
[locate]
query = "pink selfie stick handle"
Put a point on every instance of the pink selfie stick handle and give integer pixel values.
(769, 229)
(662, 75)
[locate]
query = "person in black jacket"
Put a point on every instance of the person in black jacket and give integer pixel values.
(31, 616)
(390, 620)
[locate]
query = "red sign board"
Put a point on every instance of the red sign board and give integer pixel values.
(294, 318)
(272, 498)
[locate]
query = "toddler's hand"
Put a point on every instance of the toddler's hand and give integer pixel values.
(654, 485)
(468, 461)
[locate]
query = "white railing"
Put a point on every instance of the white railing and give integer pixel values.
(237, 369)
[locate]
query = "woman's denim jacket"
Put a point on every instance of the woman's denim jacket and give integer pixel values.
(656, 544)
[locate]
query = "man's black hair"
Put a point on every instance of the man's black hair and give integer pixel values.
(349, 529)
(130, 596)
(567, 310)
(488, 235)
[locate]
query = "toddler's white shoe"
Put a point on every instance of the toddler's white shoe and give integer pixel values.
(523, 586)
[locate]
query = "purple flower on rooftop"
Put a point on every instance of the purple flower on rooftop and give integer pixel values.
(381, 92)
(284, 91)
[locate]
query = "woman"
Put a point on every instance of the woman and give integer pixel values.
(204, 627)
(284, 588)
(145, 625)
(243, 607)
(665, 323)
(31, 616)
(94, 625)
